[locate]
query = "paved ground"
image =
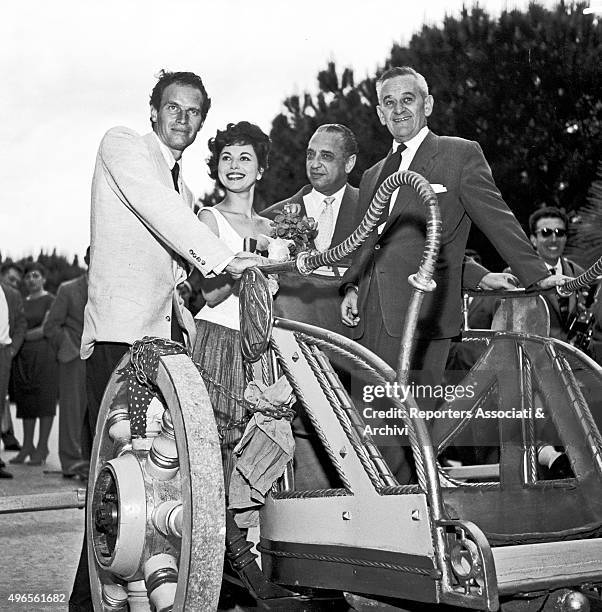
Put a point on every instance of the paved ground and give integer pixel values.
(39, 551)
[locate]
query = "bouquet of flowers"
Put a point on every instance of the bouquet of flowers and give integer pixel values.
(290, 226)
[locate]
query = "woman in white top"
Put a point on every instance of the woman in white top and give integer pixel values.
(239, 157)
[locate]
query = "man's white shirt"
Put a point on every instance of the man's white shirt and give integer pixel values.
(4, 321)
(314, 202)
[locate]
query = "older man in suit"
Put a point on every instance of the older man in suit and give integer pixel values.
(332, 202)
(314, 299)
(12, 332)
(64, 327)
(143, 236)
(376, 288)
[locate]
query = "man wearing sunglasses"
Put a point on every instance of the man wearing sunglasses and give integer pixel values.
(548, 229)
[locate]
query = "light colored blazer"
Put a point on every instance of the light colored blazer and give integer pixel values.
(140, 229)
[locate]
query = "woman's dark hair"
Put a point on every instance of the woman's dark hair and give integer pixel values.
(31, 266)
(241, 133)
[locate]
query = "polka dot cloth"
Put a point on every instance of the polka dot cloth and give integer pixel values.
(139, 398)
(141, 376)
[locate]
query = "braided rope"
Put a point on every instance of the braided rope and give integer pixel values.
(342, 352)
(379, 376)
(334, 386)
(342, 417)
(459, 428)
(468, 485)
(401, 490)
(310, 494)
(371, 218)
(578, 403)
(406, 569)
(301, 398)
(448, 480)
(485, 341)
(527, 394)
(265, 370)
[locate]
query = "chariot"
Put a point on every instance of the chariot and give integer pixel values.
(482, 536)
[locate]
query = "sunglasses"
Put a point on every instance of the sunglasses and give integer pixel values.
(546, 232)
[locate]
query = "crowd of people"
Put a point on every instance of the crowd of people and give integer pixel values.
(146, 241)
(43, 364)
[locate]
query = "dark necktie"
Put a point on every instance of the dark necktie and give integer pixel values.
(176, 331)
(175, 173)
(391, 166)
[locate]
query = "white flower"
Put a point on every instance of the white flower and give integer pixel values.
(278, 248)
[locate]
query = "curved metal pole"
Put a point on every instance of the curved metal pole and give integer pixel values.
(308, 261)
(422, 282)
(583, 280)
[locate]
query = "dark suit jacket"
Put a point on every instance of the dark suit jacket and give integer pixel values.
(17, 323)
(483, 308)
(558, 327)
(315, 299)
(384, 262)
(596, 342)
(65, 322)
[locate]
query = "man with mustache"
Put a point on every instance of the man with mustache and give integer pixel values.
(331, 201)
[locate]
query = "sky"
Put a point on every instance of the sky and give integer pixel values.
(71, 69)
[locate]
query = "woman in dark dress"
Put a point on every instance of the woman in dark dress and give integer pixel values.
(35, 370)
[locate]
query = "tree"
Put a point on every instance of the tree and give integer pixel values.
(527, 86)
(339, 101)
(587, 232)
(57, 267)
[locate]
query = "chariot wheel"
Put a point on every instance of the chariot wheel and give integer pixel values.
(155, 515)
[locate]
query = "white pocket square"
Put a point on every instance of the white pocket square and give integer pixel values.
(437, 188)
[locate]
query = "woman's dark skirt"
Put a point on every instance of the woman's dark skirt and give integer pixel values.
(217, 353)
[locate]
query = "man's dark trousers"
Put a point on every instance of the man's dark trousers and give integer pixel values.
(99, 367)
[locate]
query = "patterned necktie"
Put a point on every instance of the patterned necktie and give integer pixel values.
(325, 225)
(175, 173)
